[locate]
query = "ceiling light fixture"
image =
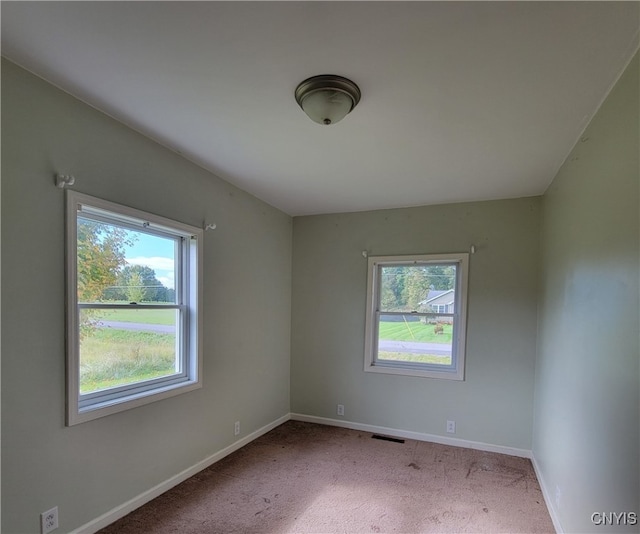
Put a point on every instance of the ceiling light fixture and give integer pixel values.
(327, 98)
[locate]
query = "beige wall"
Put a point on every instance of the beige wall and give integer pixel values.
(93, 467)
(494, 403)
(586, 403)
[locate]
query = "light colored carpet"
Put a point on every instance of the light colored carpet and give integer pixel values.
(305, 478)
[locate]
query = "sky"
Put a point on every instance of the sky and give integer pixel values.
(154, 252)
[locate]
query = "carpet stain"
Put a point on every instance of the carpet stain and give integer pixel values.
(517, 475)
(415, 466)
(485, 510)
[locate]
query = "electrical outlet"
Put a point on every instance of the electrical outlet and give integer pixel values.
(236, 428)
(451, 427)
(49, 520)
(340, 410)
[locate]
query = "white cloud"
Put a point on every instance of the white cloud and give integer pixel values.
(167, 281)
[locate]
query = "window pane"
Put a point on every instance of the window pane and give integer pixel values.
(426, 288)
(116, 264)
(125, 346)
(408, 338)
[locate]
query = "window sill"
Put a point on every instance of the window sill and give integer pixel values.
(420, 373)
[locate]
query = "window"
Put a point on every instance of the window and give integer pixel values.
(416, 315)
(439, 308)
(133, 308)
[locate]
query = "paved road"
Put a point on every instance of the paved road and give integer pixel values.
(415, 347)
(140, 327)
(411, 347)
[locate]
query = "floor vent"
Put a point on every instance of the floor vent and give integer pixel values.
(387, 438)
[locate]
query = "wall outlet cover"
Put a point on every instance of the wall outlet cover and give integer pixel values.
(49, 520)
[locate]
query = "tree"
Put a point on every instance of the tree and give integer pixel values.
(392, 296)
(100, 255)
(144, 278)
(419, 280)
(441, 276)
(136, 292)
(417, 285)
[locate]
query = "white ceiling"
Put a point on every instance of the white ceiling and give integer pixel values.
(460, 100)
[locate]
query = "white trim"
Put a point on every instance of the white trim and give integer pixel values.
(547, 496)
(419, 436)
(132, 504)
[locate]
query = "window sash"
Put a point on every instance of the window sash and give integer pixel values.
(98, 399)
(86, 400)
(139, 225)
(417, 314)
(105, 306)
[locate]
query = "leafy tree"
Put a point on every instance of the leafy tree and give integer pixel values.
(101, 254)
(432, 277)
(166, 294)
(392, 289)
(136, 292)
(144, 278)
(417, 285)
(441, 276)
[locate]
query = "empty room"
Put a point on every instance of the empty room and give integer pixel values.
(320, 267)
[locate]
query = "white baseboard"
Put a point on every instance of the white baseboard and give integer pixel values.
(547, 496)
(419, 436)
(129, 506)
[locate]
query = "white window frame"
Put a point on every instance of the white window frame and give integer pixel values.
(418, 369)
(82, 408)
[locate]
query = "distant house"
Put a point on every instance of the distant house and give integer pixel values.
(439, 301)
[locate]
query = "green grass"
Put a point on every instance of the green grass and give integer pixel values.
(142, 315)
(414, 331)
(409, 357)
(111, 357)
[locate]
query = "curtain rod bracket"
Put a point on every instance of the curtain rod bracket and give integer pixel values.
(64, 180)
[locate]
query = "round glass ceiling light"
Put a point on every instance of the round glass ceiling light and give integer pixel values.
(327, 98)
